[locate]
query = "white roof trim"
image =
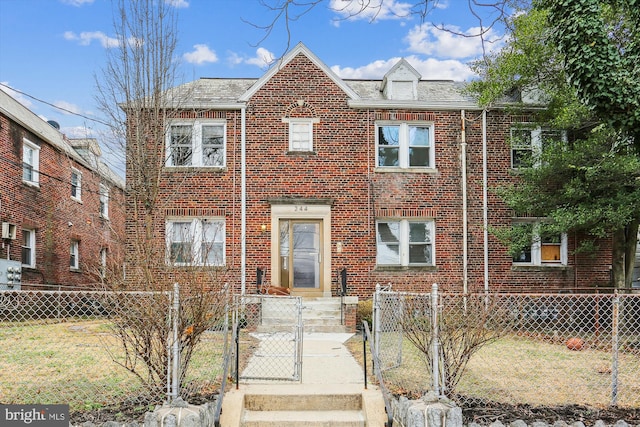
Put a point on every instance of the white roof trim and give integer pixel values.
(300, 48)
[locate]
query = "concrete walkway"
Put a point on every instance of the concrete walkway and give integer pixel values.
(327, 368)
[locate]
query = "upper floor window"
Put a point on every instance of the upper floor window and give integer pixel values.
(76, 184)
(74, 255)
(28, 254)
(199, 143)
(30, 163)
(300, 133)
(198, 241)
(528, 142)
(402, 242)
(541, 247)
(405, 145)
(104, 201)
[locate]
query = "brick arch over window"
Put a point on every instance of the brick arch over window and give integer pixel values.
(300, 109)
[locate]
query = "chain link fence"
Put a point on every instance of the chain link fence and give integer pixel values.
(95, 350)
(270, 340)
(546, 349)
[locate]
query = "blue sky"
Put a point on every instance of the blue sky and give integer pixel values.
(52, 49)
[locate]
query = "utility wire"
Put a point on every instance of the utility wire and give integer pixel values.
(55, 106)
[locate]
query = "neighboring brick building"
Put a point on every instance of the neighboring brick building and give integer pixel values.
(62, 209)
(302, 174)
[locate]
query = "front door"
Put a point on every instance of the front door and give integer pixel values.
(301, 256)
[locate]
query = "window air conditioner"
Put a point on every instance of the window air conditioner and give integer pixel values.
(8, 231)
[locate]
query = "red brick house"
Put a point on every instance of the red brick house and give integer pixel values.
(302, 174)
(61, 207)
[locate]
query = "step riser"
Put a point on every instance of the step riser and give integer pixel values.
(310, 402)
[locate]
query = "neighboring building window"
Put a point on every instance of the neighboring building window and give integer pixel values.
(29, 247)
(199, 241)
(541, 248)
(30, 163)
(405, 145)
(300, 134)
(528, 142)
(74, 259)
(76, 184)
(104, 201)
(405, 242)
(196, 144)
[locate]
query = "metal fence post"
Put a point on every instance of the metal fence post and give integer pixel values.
(614, 350)
(376, 320)
(175, 348)
(436, 351)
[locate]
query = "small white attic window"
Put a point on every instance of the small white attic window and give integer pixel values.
(401, 82)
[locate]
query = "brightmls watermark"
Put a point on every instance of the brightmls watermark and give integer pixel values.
(34, 415)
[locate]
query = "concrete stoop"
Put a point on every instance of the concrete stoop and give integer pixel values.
(321, 314)
(298, 405)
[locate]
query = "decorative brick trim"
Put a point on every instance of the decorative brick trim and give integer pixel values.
(304, 110)
(418, 116)
(405, 213)
(195, 212)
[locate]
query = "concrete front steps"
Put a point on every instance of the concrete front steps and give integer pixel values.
(308, 405)
(319, 314)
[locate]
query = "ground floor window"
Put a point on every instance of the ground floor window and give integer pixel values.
(540, 247)
(196, 241)
(402, 242)
(28, 247)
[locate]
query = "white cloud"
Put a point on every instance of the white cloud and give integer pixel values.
(428, 40)
(6, 87)
(68, 108)
(262, 59)
(180, 4)
(86, 37)
(77, 2)
(371, 10)
(430, 69)
(200, 55)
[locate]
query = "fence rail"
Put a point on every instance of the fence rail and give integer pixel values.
(536, 349)
(83, 348)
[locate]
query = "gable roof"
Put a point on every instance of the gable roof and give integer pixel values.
(402, 63)
(299, 49)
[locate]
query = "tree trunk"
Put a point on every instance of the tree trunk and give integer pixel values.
(623, 255)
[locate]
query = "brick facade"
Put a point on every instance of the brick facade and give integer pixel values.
(338, 185)
(48, 208)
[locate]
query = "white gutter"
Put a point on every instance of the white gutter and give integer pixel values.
(243, 200)
(485, 202)
(465, 243)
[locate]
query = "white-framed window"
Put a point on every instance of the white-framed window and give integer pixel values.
(30, 163)
(74, 255)
(403, 242)
(104, 201)
(28, 254)
(527, 142)
(196, 143)
(76, 184)
(301, 133)
(542, 248)
(196, 241)
(405, 145)
(103, 262)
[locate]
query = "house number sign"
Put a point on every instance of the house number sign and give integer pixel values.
(300, 208)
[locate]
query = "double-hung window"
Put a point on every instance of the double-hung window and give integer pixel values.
(198, 241)
(540, 247)
(196, 144)
(528, 142)
(74, 255)
(76, 185)
(104, 201)
(28, 247)
(405, 145)
(402, 242)
(30, 163)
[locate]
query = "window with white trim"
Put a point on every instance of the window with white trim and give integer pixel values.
(28, 254)
(197, 241)
(542, 248)
(402, 242)
(405, 145)
(76, 184)
(104, 201)
(196, 144)
(528, 142)
(30, 163)
(301, 133)
(74, 255)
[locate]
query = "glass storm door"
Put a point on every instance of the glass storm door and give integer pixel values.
(300, 255)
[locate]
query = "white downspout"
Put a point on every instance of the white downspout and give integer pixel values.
(243, 201)
(463, 149)
(485, 202)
